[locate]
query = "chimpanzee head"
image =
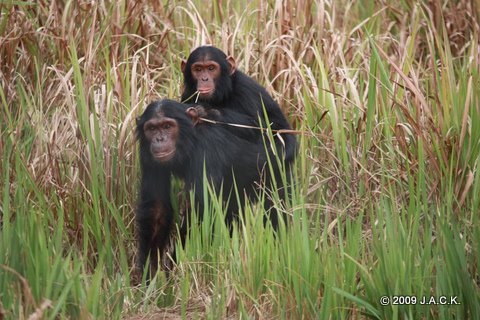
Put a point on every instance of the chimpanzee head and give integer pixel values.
(207, 75)
(165, 132)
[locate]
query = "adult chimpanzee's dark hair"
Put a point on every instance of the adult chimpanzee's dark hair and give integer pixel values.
(199, 150)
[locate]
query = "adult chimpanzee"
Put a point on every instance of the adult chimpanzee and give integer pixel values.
(211, 79)
(172, 144)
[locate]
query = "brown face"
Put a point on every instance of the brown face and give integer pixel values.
(206, 74)
(162, 133)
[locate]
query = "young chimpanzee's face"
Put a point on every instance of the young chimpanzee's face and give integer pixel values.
(207, 74)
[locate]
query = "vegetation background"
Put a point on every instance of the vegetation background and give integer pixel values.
(387, 187)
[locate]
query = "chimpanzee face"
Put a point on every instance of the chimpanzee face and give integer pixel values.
(166, 131)
(207, 74)
(161, 133)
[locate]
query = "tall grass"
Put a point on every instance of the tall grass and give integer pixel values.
(385, 195)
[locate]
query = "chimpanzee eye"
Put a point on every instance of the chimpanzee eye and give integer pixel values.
(211, 68)
(167, 126)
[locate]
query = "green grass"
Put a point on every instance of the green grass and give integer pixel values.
(386, 190)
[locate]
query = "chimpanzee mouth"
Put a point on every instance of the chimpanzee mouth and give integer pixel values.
(164, 156)
(203, 94)
(205, 91)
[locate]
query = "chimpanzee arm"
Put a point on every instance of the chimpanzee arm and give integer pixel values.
(154, 216)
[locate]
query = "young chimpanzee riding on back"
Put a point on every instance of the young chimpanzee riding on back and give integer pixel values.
(172, 144)
(212, 80)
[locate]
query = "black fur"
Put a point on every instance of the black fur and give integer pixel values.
(240, 100)
(224, 156)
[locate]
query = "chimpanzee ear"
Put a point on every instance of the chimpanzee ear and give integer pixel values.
(183, 64)
(194, 114)
(231, 62)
